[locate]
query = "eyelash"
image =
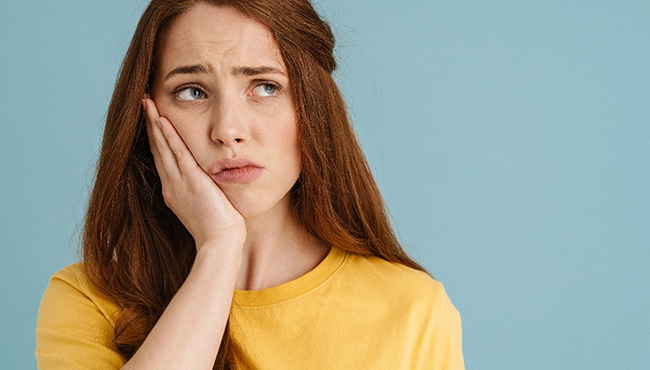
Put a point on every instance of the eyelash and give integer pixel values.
(278, 88)
(185, 87)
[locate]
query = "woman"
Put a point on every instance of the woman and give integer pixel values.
(234, 222)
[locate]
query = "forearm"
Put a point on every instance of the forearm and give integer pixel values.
(189, 332)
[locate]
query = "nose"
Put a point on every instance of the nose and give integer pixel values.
(229, 126)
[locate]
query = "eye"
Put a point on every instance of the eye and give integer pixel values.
(190, 93)
(266, 89)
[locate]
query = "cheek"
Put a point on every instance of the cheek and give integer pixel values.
(189, 128)
(290, 143)
(289, 130)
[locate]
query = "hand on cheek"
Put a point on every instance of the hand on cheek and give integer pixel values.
(188, 191)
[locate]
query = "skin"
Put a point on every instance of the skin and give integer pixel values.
(234, 102)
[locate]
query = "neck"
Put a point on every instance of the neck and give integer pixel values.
(277, 250)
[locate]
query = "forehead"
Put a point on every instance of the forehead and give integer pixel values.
(210, 34)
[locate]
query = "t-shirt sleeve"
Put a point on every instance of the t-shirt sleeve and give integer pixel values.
(75, 325)
(443, 348)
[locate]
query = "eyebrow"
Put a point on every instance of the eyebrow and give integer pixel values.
(254, 71)
(238, 71)
(184, 70)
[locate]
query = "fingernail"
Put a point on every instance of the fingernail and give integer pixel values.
(144, 104)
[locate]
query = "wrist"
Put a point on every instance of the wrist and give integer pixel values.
(221, 252)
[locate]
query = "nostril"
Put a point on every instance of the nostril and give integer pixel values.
(239, 140)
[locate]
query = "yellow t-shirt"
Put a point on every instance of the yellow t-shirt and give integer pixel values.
(350, 312)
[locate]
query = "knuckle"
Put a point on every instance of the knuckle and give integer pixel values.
(167, 196)
(155, 148)
(178, 154)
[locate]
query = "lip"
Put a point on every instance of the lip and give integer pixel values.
(235, 170)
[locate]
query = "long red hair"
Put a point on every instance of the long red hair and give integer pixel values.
(138, 253)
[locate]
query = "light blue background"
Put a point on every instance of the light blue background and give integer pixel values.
(511, 140)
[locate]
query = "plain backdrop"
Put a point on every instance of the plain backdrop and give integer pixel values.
(511, 140)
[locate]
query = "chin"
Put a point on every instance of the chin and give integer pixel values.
(253, 207)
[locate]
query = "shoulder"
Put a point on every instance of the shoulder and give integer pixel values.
(73, 276)
(391, 276)
(412, 301)
(397, 284)
(75, 324)
(71, 287)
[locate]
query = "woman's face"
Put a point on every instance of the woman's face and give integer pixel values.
(221, 81)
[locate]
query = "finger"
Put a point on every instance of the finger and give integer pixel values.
(184, 158)
(150, 114)
(164, 159)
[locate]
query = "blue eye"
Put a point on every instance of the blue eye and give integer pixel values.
(266, 89)
(190, 93)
